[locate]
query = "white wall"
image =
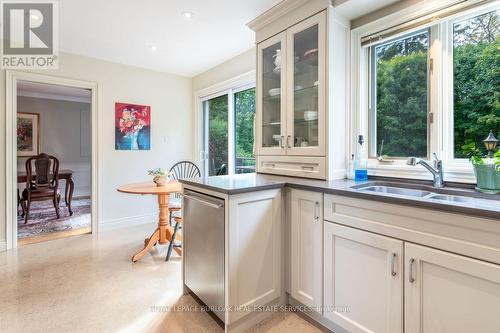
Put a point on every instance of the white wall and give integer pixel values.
(65, 132)
(243, 63)
(170, 98)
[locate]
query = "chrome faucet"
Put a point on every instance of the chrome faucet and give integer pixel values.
(437, 170)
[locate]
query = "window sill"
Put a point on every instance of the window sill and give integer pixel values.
(459, 174)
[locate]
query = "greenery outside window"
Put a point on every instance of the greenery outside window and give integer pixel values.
(428, 85)
(399, 96)
(476, 80)
(228, 132)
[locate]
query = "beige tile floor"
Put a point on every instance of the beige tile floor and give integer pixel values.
(88, 284)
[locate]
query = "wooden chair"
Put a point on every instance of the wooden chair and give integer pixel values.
(45, 185)
(180, 170)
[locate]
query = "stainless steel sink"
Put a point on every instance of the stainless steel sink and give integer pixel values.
(395, 190)
(472, 202)
(426, 192)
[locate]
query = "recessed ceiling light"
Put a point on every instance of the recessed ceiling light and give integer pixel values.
(153, 47)
(187, 14)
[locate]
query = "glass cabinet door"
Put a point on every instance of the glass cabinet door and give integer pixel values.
(270, 96)
(306, 84)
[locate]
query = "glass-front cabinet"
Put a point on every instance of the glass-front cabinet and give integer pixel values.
(291, 91)
(271, 97)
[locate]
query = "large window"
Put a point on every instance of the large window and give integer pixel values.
(476, 74)
(399, 96)
(228, 135)
(430, 86)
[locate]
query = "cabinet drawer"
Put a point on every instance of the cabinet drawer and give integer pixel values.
(307, 167)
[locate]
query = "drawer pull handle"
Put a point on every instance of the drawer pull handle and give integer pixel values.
(411, 278)
(282, 141)
(269, 165)
(393, 264)
(307, 168)
(316, 210)
(288, 141)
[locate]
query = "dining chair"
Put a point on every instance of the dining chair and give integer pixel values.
(180, 170)
(42, 184)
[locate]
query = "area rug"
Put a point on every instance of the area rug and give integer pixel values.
(42, 219)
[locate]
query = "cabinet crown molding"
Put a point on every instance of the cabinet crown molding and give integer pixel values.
(278, 11)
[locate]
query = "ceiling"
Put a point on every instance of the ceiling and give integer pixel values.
(124, 31)
(52, 91)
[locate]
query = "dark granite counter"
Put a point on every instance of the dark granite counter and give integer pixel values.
(475, 205)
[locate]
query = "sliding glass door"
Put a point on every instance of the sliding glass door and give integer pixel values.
(215, 112)
(228, 132)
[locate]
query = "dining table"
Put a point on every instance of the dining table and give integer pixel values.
(163, 234)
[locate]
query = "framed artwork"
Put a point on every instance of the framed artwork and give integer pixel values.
(28, 134)
(132, 127)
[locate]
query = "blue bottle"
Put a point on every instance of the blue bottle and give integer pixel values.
(360, 162)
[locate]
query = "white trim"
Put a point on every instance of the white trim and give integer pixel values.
(55, 97)
(236, 84)
(276, 12)
(11, 79)
(441, 131)
(127, 222)
(3, 245)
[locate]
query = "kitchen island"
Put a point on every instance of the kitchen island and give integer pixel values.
(313, 243)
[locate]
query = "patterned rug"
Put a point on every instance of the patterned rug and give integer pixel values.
(43, 220)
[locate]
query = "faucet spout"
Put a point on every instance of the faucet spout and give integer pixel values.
(436, 171)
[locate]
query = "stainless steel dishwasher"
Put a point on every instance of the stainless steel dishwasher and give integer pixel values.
(203, 246)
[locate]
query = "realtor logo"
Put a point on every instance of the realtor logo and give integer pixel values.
(29, 35)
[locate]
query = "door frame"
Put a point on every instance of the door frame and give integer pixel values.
(12, 77)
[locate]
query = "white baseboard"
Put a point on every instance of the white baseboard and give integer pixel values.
(3, 245)
(128, 221)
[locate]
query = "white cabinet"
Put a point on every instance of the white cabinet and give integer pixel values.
(448, 293)
(307, 247)
(297, 100)
(253, 254)
(363, 280)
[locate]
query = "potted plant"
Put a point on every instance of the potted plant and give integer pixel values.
(160, 177)
(486, 169)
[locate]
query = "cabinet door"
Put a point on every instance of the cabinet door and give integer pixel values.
(306, 79)
(307, 248)
(271, 96)
(363, 280)
(449, 293)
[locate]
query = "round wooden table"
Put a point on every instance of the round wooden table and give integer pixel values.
(162, 234)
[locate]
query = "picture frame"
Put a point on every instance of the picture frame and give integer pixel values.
(132, 126)
(28, 134)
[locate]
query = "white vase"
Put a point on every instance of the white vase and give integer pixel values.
(134, 144)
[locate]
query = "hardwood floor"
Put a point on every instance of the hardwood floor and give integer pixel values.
(53, 236)
(88, 284)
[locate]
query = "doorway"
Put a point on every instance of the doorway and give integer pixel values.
(54, 134)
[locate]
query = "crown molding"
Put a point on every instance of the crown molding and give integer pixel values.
(276, 12)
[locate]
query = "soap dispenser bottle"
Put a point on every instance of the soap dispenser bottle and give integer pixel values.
(360, 162)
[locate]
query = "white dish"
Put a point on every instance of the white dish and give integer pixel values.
(274, 92)
(276, 137)
(277, 70)
(310, 115)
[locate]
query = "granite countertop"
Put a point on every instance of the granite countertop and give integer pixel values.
(257, 182)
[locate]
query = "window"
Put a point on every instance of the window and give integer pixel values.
(428, 85)
(228, 132)
(476, 80)
(399, 96)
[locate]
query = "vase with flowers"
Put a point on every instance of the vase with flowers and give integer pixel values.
(130, 124)
(160, 177)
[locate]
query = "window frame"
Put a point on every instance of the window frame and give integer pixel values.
(441, 129)
(229, 87)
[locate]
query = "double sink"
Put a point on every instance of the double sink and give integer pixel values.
(443, 195)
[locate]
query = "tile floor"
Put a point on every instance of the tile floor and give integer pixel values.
(88, 284)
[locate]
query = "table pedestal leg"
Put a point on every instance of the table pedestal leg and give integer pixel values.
(151, 241)
(162, 234)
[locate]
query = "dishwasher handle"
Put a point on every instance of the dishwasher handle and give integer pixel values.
(204, 202)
